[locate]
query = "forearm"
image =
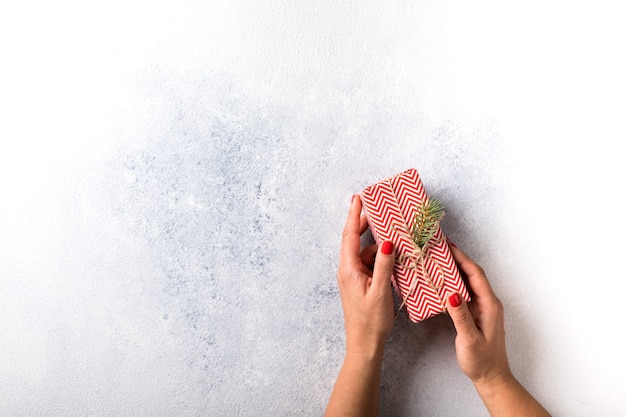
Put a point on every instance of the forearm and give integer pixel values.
(357, 389)
(509, 398)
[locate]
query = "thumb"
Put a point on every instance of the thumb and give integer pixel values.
(461, 315)
(383, 267)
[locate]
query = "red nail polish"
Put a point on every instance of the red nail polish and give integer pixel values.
(387, 247)
(451, 243)
(455, 300)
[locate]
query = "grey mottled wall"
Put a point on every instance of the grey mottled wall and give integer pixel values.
(175, 178)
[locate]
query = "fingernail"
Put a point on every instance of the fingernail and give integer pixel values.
(455, 300)
(451, 243)
(387, 248)
(352, 199)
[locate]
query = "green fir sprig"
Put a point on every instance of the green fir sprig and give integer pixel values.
(426, 221)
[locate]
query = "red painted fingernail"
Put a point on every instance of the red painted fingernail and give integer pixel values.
(387, 247)
(451, 243)
(455, 300)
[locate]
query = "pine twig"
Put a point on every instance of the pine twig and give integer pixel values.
(426, 221)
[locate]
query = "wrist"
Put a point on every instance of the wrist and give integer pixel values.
(493, 386)
(505, 396)
(365, 352)
(364, 363)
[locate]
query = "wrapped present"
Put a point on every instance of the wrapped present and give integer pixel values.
(425, 273)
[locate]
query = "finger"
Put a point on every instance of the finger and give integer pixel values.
(351, 238)
(461, 316)
(476, 277)
(368, 255)
(363, 226)
(385, 258)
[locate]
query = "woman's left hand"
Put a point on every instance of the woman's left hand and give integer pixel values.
(365, 287)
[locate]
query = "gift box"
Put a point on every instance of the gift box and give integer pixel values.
(424, 275)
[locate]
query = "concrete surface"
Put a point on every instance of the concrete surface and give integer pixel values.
(175, 177)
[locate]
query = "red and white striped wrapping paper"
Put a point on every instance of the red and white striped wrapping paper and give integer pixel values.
(391, 204)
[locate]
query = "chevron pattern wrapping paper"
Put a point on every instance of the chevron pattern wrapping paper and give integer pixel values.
(390, 207)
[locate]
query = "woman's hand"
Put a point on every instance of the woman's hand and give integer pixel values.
(480, 346)
(481, 349)
(368, 314)
(365, 288)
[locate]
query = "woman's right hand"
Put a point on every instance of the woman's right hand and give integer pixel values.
(480, 346)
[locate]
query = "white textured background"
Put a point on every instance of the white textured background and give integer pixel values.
(174, 177)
